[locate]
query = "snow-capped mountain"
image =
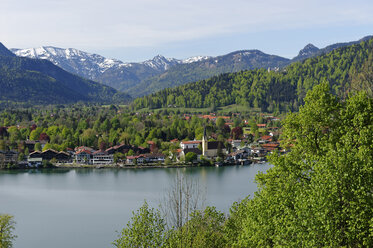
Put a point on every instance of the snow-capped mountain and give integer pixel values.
(75, 61)
(112, 72)
(159, 62)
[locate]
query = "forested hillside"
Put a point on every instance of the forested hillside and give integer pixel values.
(344, 69)
(185, 73)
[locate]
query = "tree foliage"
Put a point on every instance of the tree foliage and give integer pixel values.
(146, 229)
(320, 193)
(7, 226)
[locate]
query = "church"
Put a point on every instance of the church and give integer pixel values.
(211, 149)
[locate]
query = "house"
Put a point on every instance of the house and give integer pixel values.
(63, 157)
(270, 147)
(83, 156)
(258, 152)
(132, 159)
(265, 139)
(7, 157)
(236, 143)
(35, 154)
(238, 155)
(48, 155)
(101, 157)
(154, 158)
(34, 162)
(190, 144)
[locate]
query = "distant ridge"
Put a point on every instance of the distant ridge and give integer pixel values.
(312, 51)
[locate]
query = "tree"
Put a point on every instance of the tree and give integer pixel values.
(183, 197)
(204, 229)
(119, 157)
(237, 132)
(190, 157)
(7, 226)
(220, 122)
(44, 136)
(37, 146)
(320, 193)
(145, 229)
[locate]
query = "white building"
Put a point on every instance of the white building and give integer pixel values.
(190, 144)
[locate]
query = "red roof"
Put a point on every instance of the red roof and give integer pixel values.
(132, 157)
(99, 151)
(83, 151)
(191, 142)
(270, 145)
(266, 137)
(261, 125)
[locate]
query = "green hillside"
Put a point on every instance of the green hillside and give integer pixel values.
(345, 69)
(185, 73)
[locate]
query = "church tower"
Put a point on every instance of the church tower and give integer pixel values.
(204, 143)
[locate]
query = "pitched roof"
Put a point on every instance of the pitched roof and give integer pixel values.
(214, 145)
(195, 150)
(84, 151)
(99, 152)
(266, 137)
(191, 142)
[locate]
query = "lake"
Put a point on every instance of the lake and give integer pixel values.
(80, 208)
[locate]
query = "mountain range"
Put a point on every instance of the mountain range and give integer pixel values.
(139, 79)
(112, 72)
(39, 81)
(143, 78)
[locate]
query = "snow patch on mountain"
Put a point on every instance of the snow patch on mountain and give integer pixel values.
(195, 59)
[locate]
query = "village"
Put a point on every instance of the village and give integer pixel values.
(249, 147)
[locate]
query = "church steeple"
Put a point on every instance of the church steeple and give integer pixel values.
(204, 142)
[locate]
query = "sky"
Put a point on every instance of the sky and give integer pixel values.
(136, 30)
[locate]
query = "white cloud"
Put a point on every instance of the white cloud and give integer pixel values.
(128, 23)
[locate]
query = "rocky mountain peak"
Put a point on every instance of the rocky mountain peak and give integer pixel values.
(308, 50)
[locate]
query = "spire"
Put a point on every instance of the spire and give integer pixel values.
(204, 142)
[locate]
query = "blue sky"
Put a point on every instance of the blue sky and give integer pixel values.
(137, 30)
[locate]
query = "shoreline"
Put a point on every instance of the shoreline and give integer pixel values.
(121, 166)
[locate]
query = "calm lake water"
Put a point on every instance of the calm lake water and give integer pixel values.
(81, 208)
